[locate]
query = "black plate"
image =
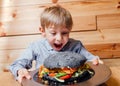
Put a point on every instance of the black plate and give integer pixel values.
(53, 82)
(102, 74)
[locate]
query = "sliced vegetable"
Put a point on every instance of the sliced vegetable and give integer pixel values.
(60, 74)
(65, 77)
(68, 70)
(76, 74)
(60, 80)
(87, 66)
(52, 74)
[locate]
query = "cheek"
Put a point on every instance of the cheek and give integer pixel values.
(50, 38)
(66, 38)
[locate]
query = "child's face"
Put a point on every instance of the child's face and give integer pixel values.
(57, 36)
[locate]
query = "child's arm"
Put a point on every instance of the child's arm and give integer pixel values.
(90, 57)
(97, 60)
(23, 62)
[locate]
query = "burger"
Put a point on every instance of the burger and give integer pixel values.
(64, 68)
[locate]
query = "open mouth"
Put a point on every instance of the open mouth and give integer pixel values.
(58, 45)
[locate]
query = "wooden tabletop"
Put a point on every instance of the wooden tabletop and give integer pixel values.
(6, 79)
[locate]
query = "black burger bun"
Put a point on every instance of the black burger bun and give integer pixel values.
(64, 59)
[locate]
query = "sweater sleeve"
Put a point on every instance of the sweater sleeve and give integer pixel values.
(89, 56)
(24, 61)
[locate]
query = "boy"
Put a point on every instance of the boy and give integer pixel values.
(56, 24)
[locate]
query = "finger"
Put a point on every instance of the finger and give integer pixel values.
(100, 61)
(27, 75)
(23, 73)
(95, 62)
(20, 77)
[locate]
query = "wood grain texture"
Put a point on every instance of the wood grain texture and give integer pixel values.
(110, 21)
(18, 21)
(8, 3)
(17, 42)
(114, 80)
(7, 57)
(105, 36)
(109, 50)
(24, 19)
(96, 24)
(7, 79)
(114, 65)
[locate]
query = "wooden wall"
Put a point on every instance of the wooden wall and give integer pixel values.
(96, 24)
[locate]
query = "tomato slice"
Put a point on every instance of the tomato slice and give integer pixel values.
(65, 77)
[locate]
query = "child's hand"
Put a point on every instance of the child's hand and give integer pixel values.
(97, 61)
(23, 73)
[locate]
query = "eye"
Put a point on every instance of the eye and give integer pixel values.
(53, 33)
(65, 33)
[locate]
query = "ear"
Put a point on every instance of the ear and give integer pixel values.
(42, 31)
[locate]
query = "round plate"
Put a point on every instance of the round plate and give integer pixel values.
(102, 74)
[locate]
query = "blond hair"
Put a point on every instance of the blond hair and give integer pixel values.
(56, 15)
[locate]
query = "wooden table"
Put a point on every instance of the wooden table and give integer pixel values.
(6, 78)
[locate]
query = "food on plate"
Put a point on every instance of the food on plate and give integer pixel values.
(64, 68)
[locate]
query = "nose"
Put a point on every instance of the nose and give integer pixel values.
(59, 37)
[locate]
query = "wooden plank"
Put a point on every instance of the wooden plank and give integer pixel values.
(24, 23)
(114, 65)
(114, 62)
(79, 8)
(88, 38)
(84, 23)
(31, 26)
(114, 80)
(7, 79)
(20, 27)
(109, 50)
(7, 57)
(107, 54)
(111, 35)
(92, 8)
(7, 3)
(20, 20)
(108, 21)
(17, 42)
